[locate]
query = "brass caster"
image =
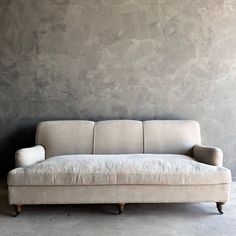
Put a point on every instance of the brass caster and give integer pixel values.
(219, 207)
(121, 207)
(18, 209)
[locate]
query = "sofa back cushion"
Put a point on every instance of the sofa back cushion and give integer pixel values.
(65, 137)
(118, 137)
(171, 136)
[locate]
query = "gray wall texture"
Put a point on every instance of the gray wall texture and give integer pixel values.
(112, 59)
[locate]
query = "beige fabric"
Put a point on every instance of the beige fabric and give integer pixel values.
(118, 137)
(171, 136)
(29, 156)
(117, 194)
(126, 178)
(149, 169)
(209, 155)
(65, 137)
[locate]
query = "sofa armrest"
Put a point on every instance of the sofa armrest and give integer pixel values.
(208, 155)
(29, 156)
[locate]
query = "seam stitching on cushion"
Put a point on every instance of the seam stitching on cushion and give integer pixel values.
(143, 136)
(93, 147)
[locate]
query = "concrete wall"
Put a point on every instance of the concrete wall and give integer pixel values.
(108, 59)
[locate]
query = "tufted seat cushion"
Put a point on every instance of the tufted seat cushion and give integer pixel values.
(127, 169)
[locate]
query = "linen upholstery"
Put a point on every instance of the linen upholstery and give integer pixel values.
(29, 156)
(65, 137)
(86, 165)
(118, 193)
(208, 155)
(128, 169)
(171, 136)
(118, 137)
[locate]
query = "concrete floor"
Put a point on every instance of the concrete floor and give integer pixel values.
(138, 219)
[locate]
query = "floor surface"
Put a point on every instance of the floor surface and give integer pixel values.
(137, 219)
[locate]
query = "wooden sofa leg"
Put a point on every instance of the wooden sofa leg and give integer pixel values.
(219, 207)
(121, 207)
(18, 209)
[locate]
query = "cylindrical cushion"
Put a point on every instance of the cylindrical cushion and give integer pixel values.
(29, 156)
(208, 155)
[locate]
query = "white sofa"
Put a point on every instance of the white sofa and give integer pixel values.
(118, 161)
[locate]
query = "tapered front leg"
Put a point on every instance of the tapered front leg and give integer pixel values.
(121, 207)
(18, 209)
(219, 207)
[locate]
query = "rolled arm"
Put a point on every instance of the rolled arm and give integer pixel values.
(29, 156)
(208, 155)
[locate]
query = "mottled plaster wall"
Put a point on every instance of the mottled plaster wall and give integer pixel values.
(107, 59)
